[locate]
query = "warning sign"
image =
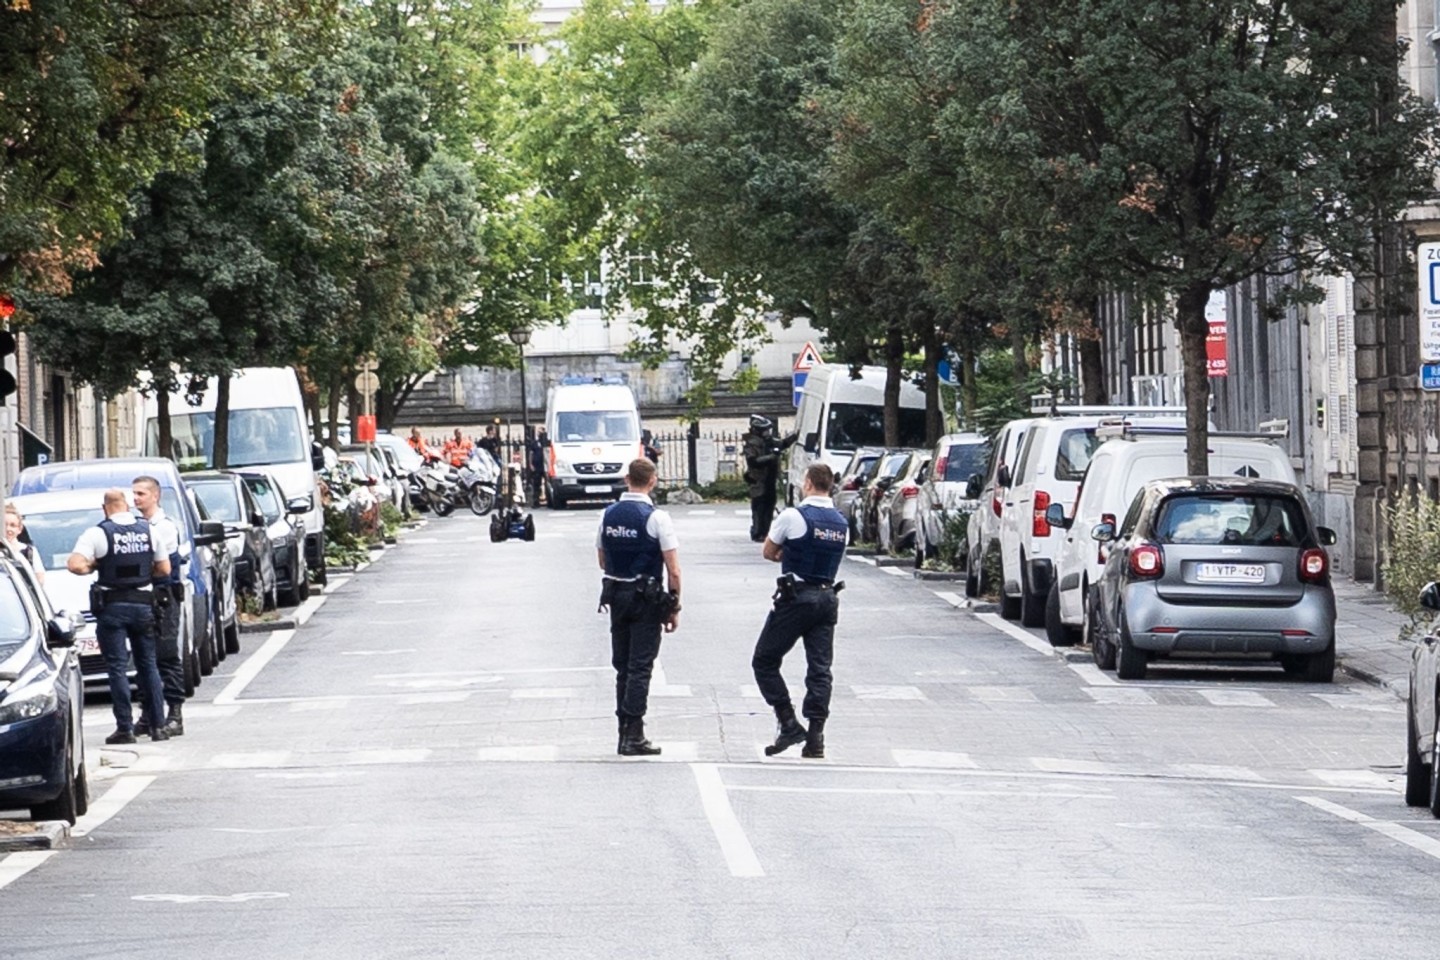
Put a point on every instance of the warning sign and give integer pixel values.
(808, 357)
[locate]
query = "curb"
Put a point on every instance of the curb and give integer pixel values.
(43, 835)
(882, 561)
(941, 576)
(265, 626)
(1372, 678)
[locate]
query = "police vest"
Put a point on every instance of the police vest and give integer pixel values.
(816, 556)
(128, 556)
(630, 551)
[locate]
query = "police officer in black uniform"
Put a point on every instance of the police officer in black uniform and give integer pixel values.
(122, 552)
(638, 552)
(808, 541)
(762, 451)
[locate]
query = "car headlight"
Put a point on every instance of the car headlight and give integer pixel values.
(28, 703)
(561, 466)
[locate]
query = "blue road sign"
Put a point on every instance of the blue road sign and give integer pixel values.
(797, 382)
(1430, 376)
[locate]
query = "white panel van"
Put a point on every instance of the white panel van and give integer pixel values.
(838, 414)
(594, 430)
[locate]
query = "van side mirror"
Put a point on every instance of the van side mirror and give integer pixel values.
(317, 455)
(257, 519)
(1104, 532)
(1055, 516)
(1430, 596)
(812, 442)
(60, 631)
(1002, 476)
(973, 487)
(299, 504)
(210, 533)
(1326, 536)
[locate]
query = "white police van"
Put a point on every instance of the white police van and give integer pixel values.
(594, 429)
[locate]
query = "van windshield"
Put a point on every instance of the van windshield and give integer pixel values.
(596, 426)
(853, 425)
(54, 534)
(258, 436)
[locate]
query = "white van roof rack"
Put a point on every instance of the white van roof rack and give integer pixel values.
(1127, 430)
(1044, 403)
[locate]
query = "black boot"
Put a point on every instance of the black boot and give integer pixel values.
(815, 739)
(790, 733)
(620, 743)
(175, 725)
(633, 742)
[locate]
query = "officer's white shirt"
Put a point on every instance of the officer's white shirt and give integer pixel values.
(658, 526)
(790, 525)
(165, 534)
(92, 544)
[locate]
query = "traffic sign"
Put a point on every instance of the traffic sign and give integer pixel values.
(1430, 376)
(367, 383)
(808, 357)
(1427, 258)
(797, 383)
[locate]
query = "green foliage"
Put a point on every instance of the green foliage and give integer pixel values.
(344, 546)
(1413, 558)
(391, 520)
(949, 553)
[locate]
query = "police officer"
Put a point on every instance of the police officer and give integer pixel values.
(638, 552)
(762, 469)
(169, 595)
(123, 552)
(808, 542)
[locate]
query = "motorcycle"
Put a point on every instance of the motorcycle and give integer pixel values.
(477, 479)
(439, 487)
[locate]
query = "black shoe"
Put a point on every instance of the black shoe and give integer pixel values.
(633, 742)
(815, 740)
(119, 737)
(175, 726)
(157, 735)
(142, 727)
(790, 733)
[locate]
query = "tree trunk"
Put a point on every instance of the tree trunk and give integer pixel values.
(165, 440)
(332, 419)
(934, 417)
(1093, 390)
(969, 387)
(894, 357)
(1021, 367)
(398, 396)
(1193, 328)
(220, 446)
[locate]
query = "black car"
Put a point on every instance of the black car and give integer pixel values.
(42, 749)
(227, 498)
(287, 538)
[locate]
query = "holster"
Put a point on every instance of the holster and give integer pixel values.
(163, 596)
(607, 594)
(784, 589)
(97, 599)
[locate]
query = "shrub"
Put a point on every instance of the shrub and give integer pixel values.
(1414, 556)
(949, 553)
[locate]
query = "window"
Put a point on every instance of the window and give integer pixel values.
(594, 426)
(1243, 519)
(1073, 454)
(258, 436)
(54, 534)
(1132, 516)
(853, 425)
(219, 499)
(964, 460)
(15, 625)
(264, 493)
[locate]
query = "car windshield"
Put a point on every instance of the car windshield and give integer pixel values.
(594, 426)
(258, 436)
(1232, 519)
(1074, 452)
(54, 534)
(864, 467)
(409, 460)
(893, 463)
(15, 626)
(854, 425)
(264, 493)
(964, 460)
(221, 500)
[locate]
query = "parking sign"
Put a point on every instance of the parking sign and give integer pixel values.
(1427, 257)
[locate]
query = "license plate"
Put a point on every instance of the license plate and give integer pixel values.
(89, 646)
(597, 488)
(1230, 572)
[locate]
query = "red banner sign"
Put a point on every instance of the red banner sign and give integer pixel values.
(1217, 362)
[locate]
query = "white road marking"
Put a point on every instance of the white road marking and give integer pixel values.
(369, 757)
(750, 691)
(1236, 698)
(1121, 695)
(16, 865)
(896, 571)
(883, 692)
(1209, 771)
(954, 599)
(544, 693)
(306, 610)
(1356, 701)
(114, 800)
(1093, 675)
(238, 761)
(529, 754)
(484, 673)
(1354, 778)
(422, 539)
(306, 774)
(447, 696)
(1058, 765)
(1019, 633)
(374, 653)
(934, 758)
(208, 897)
(425, 600)
(928, 792)
(1002, 694)
(859, 559)
(671, 690)
(210, 711)
(734, 845)
(700, 513)
(1411, 838)
(251, 668)
(742, 513)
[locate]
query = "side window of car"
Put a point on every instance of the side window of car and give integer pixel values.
(1132, 517)
(1022, 466)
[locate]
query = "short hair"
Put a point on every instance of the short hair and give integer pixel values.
(149, 481)
(640, 473)
(115, 496)
(821, 477)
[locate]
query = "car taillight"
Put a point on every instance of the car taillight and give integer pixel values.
(909, 491)
(996, 505)
(939, 470)
(1146, 561)
(1314, 565)
(852, 484)
(1039, 526)
(1100, 551)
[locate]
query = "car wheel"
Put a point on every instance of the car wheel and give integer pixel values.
(232, 638)
(974, 571)
(1101, 649)
(82, 787)
(1032, 606)
(1130, 660)
(529, 529)
(1417, 771)
(1320, 667)
(1435, 770)
(1056, 631)
(63, 806)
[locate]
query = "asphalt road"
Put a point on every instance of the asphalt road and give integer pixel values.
(426, 768)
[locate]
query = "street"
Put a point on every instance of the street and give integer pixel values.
(426, 768)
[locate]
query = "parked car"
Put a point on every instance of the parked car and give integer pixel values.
(867, 502)
(856, 472)
(895, 514)
(228, 499)
(1422, 718)
(1129, 456)
(408, 461)
(1215, 567)
(221, 563)
(947, 492)
(42, 700)
(982, 535)
(1052, 463)
(389, 486)
(285, 532)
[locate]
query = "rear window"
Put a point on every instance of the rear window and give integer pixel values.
(864, 467)
(892, 465)
(220, 500)
(1073, 454)
(964, 460)
(1233, 519)
(854, 425)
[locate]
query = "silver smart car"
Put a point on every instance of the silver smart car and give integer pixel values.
(1217, 567)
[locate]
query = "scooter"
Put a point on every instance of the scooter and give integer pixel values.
(511, 520)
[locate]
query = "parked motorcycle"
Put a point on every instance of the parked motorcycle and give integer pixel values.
(440, 487)
(477, 479)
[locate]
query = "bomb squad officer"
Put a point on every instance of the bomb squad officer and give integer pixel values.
(762, 451)
(809, 543)
(124, 554)
(639, 553)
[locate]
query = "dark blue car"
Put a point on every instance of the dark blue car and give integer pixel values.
(42, 750)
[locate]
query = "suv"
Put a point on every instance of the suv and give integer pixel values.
(956, 460)
(1052, 463)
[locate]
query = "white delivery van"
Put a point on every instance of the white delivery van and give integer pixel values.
(1128, 457)
(268, 430)
(839, 414)
(594, 430)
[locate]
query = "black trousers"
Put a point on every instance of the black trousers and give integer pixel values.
(762, 512)
(167, 651)
(811, 615)
(634, 645)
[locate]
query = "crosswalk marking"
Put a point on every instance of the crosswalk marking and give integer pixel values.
(1236, 698)
(1128, 696)
(308, 706)
(1210, 771)
(934, 758)
(1353, 778)
(1003, 695)
(365, 757)
(1058, 765)
(446, 696)
(883, 692)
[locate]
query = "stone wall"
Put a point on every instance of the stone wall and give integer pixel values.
(490, 391)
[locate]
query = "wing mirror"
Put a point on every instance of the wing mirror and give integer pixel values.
(1055, 516)
(812, 442)
(300, 504)
(211, 532)
(317, 455)
(1002, 476)
(1104, 532)
(1430, 596)
(257, 519)
(1326, 536)
(973, 487)
(60, 631)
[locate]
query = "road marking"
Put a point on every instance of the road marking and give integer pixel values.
(1128, 696)
(237, 761)
(251, 668)
(883, 692)
(306, 610)
(16, 865)
(927, 792)
(487, 673)
(954, 599)
(681, 751)
(1093, 675)
(325, 703)
(208, 897)
(374, 653)
(426, 600)
(860, 559)
(934, 758)
(544, 693)
(540, 754)
(1355, 701)
(1024, 636)
(1236, 698)
(1411, 838)
(742, 513)
(750, 691)
(115, 799)
(370, 757)
(700, 513)
(447, 696)
(1002, 694)
(1210, 771)
(896, 571)
(1058, 765)
(734, 846)
(1354, 778)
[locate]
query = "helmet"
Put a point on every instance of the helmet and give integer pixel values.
(758, 423)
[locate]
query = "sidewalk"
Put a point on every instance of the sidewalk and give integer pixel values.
(1367, 631)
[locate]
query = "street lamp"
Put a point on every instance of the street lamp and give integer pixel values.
(520, 335)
